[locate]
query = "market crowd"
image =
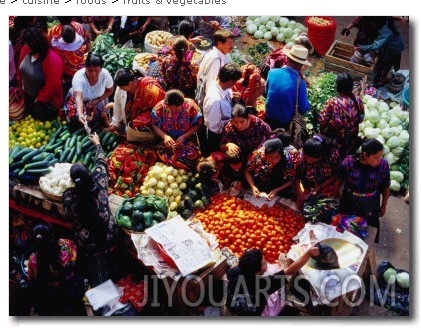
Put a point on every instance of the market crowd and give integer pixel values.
(200, 111)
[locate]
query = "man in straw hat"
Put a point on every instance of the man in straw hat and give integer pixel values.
(285, 87)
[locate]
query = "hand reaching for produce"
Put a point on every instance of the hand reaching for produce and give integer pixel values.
(256, 191)
(94, 138)
(215, 25)
(180, 141)
(232, 148)
(169, 142)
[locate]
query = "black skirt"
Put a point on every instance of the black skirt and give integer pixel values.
(366, 206)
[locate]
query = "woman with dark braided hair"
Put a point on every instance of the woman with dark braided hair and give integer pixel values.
(178, 70)
(103, 252)
(340, 117)
(142, 94)
(317, 168)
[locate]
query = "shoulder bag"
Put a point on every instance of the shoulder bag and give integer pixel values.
(297, 126)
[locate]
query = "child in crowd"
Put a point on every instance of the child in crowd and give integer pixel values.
(232, 173)
(208, 171)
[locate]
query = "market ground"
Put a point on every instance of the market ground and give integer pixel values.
(397, 226)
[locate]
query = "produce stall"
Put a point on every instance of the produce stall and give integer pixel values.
(140, 185)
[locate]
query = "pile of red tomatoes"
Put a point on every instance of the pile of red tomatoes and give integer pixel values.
(240, 225)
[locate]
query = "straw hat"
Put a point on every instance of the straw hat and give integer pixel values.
(298, 54)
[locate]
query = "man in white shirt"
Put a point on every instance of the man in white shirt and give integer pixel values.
(209, 69)
(217, 57)
(218, 103)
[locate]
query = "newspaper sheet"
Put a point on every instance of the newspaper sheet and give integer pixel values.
(330, 284)
(187, 248)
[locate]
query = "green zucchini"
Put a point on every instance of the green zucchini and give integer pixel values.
(73, 140)
(86, 158)
(75, 157)
(65, 135)
(31, 155)
(39, 171)
(53, 162)
(40, 157)
(17, 165)
(71, 154)
(64, 155)
(21, 172)
(23, 152)
(86, 144)
(15, 150)
(53, 146)
(37, 165)
(78, 148)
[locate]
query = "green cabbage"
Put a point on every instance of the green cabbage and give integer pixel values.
(395, 186)
(372, 103)
(387, 133)
(288, 32)
(283, 22)
(280, 37)
(258, 34)
(403, 279)
(371, 133)
(397, 152)
(251, 28)
(403, 138)
(397, 176)
(366, 98)
(383, 107)
(264, 19)
(393, 142)
(274, 30)
(389, 276)
(270, 25)
(382, 124)
(390, 158)
(385, 116)
(394, 121)
(249, 21)
(267, 35)
(373, 116)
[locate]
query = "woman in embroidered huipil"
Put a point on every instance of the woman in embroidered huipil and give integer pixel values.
(366, 176)
(341, 116)
(176, 120)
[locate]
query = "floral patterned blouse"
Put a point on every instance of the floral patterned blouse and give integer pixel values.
(314, 174)
(67, 253)
(259, 166)
(249, 139)
(179, 76)
(88, 241)
(339, 119)
(176, 124)
(363, 178)
(149, 92)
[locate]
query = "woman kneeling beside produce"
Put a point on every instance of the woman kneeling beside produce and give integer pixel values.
(176, 120)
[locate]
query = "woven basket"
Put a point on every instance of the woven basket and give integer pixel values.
(146, 136)
(151, 48)
(16, 105)
(321, 36)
